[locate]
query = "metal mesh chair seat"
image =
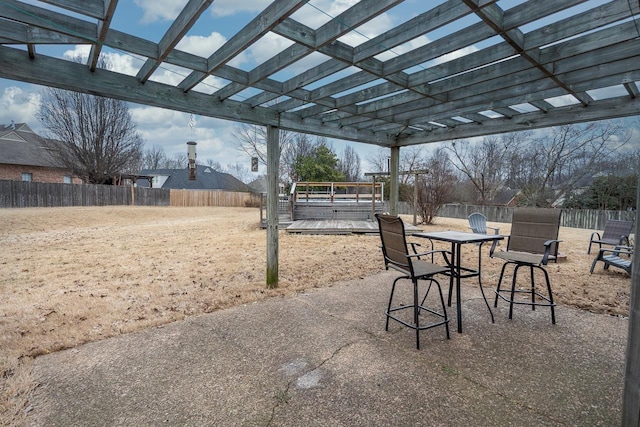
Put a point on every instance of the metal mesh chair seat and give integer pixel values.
(520, 257)
(396, 255)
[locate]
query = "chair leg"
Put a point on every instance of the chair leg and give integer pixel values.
(552, 305)
(416, 313)
(393, 288)
(426, 294)
(513, 290)
(504, 266)
(484, 297)
(533, 290)
(444, 310)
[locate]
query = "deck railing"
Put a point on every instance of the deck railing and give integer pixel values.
(310, 191)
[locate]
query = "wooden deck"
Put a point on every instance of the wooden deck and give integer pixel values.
(337, 226)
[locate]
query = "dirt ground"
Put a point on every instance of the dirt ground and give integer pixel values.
(74, 275)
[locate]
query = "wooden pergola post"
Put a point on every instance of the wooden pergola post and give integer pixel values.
(273, 159)
(394, 172)
(631, 396)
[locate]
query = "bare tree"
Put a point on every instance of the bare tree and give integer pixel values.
(487, 164)
(436, 188)
(178, 161)
(239, 171)
(216, 166)
(252, 139)
(411, 159)
(557, 161)
(92, 136)
(349, 164)
(154, 158)
(379, 159)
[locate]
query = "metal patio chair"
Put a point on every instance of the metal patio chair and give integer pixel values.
(414, 268)
(616, 233)
(533, 243)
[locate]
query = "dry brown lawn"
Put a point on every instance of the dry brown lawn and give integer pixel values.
(73, 275)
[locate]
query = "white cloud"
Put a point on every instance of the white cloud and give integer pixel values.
(20, 106)
(321, 12)
(205, 46)
(170, 130)
(232, 7)
(163, 10)
(267, 47)
(125, 64)
(202, 45)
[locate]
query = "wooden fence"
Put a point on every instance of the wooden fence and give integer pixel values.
(575, 218)
(17, 194)
(213, 198)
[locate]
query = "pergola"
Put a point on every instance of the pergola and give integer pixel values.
(455, 69)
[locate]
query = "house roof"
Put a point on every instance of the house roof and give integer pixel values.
(20, 145)
(206, 179)
(259, 184)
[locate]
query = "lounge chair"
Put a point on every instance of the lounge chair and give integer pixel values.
(612, 258)
(478, 224)
(616, 233)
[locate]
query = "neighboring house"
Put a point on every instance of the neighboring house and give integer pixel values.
(206, 179)
(259, 185)
(24, 157)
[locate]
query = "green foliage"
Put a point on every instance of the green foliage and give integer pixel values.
(319, 166)
(607, 193)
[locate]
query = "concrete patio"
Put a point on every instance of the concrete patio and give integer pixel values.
(323, 358)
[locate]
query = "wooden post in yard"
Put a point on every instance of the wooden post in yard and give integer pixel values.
(273, 158)
(631, 396)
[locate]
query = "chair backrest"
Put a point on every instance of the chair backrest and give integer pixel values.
(394, 242)
(617, 230)
(531, 227)
(478, 223)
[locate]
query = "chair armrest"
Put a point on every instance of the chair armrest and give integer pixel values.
(494, 245)
(495, 229)
(547, 250)
(443, 252)
(625, 250)
(414, 244)
(595, 233)
(624, 240)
